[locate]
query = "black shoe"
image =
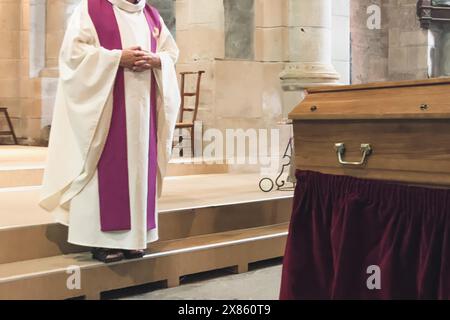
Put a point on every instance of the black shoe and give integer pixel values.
(107, 255)
(133, 254)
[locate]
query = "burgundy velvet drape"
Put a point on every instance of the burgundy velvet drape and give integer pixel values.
(341, 225)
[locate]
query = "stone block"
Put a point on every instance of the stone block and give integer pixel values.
(182, 14)
(316, 44)
(232, 77)
(394, 37)
(206, 11)
(270, 44)
(378, 70)
(193, 46)
(10, 48)
(271, 13)
(29, 88)
(306, 13)
(24, 45)
(30, 108)
(398, 59)
(9, 68)
(262, 98)
(417, 57)
(9, 88)
(9, 16)
(414, 38)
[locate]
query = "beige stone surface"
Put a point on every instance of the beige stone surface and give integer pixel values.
(233, 93)
(193, 46)
(271, 13)
(304, 13)
(9, 68)
(400, 50)
(17, 91)
(205, 11)
(270, 44)
(182, 14)
(251, 75)
(18, 206)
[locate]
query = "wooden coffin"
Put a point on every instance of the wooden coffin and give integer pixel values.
(405, 124)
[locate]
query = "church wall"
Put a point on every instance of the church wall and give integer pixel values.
(10, 64)
(241, 88)
(409, 45)
(17, 89)
(399, 50)
(240, 46)
(442, 51)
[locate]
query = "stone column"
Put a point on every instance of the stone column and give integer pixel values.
(434, 16)
(439, 44)
(309, 45)
(445, 59)
(310, 55)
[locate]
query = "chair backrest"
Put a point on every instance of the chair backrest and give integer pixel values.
(185, 94)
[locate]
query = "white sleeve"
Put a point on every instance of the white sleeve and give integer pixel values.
(169, 95)
(167, 44)
(87, 74)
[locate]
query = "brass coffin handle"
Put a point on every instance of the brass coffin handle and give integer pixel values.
(366, 151)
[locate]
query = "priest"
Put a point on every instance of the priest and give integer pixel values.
(111, 137)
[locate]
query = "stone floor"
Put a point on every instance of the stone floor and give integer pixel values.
(19, 204)
(262, 282)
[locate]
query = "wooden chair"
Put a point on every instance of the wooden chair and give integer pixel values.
(188, 124)
(11, 128)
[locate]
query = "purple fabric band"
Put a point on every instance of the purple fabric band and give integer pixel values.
(155, 27)
(114, 196)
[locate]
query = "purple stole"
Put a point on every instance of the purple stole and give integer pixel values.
(114, 195)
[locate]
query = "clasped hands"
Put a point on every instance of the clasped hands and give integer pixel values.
(138, 60)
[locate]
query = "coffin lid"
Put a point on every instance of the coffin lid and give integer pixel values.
(419, 99)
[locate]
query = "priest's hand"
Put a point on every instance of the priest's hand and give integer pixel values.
(130, 56)
(147, 61)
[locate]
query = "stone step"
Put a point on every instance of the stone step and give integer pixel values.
(48, 278)
(190, 206)
(45, 240)
(20, 176)
(19, 206)
(22, 166)
(207, 222)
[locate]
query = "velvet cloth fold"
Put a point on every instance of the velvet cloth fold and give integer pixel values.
(341, 226)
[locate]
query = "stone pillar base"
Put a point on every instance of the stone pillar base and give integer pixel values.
(297, 76)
